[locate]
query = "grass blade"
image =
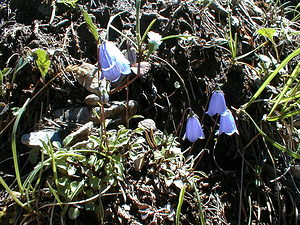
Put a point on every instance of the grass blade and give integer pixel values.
(294, 75)
(180, 202)
(14, 146)
(274, 143)
(272, 75)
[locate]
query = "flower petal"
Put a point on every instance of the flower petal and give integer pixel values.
(227, 124)
(113, 74)
(193, 129)
(217, 104)
(113, 63)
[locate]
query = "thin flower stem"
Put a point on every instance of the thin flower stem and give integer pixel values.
(190, 151)
(127, 102)
(102, 117)
(138, 25)
(179, 128)
(103, 127)
(205, 147)
(180, 78)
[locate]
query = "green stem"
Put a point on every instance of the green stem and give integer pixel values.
(138, 21)
(11, 193)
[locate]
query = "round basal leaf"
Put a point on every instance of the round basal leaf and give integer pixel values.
(63, 181)
(34, 154)
(43, 61)
(89, 206)
(71, 170)
(73, 213)
(67, 140)
(94, 182)
(74, 185)
(99, 164)
(89, 193)
(92, 160)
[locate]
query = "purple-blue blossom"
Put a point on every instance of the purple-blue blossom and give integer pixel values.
(227, 123)
(193, 130)
(113, 63)
(217, 104)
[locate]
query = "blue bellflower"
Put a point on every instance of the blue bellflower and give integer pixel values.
(113, 63)
(193, 129)
(217, 104)
(227, 123)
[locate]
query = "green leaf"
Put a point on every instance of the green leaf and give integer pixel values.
(267, 32)
(75, 188)
(69, 3)
(92, 27)
(67, 140)
(285, 89)
(71, 170)
(274, 143)
(271, 76)
(94, 182)
(43, 61)
(74, 185)
(179, 205)
(73, 213)
(22, 62)
(154, 41)
(90, 206)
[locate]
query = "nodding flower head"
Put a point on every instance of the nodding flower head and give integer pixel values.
(217, 104)
(193, 129)
(113, 63)
(227, 123)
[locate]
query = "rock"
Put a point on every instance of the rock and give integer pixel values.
(92, 99)
(74, 114)
(34, 139)
(84, 114)
(116, 111)
(87, 75)
(81, 134)
(147, 124)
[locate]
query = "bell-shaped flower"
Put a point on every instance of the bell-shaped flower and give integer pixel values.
(113, 63)
(193, 129)
(217, 104)
(227, 123)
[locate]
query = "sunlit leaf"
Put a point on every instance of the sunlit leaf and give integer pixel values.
(92, 27)
(73, 213)
(43, 61)
(67, 140)
(71, 170)
(267, 32)
(94, 182)
(22, 62)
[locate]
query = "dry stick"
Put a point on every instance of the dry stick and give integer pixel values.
(10, 122)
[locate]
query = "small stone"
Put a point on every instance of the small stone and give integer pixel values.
(81, 134)
(34, 139)
(87, 76)
(92, 99)
(147, 124)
